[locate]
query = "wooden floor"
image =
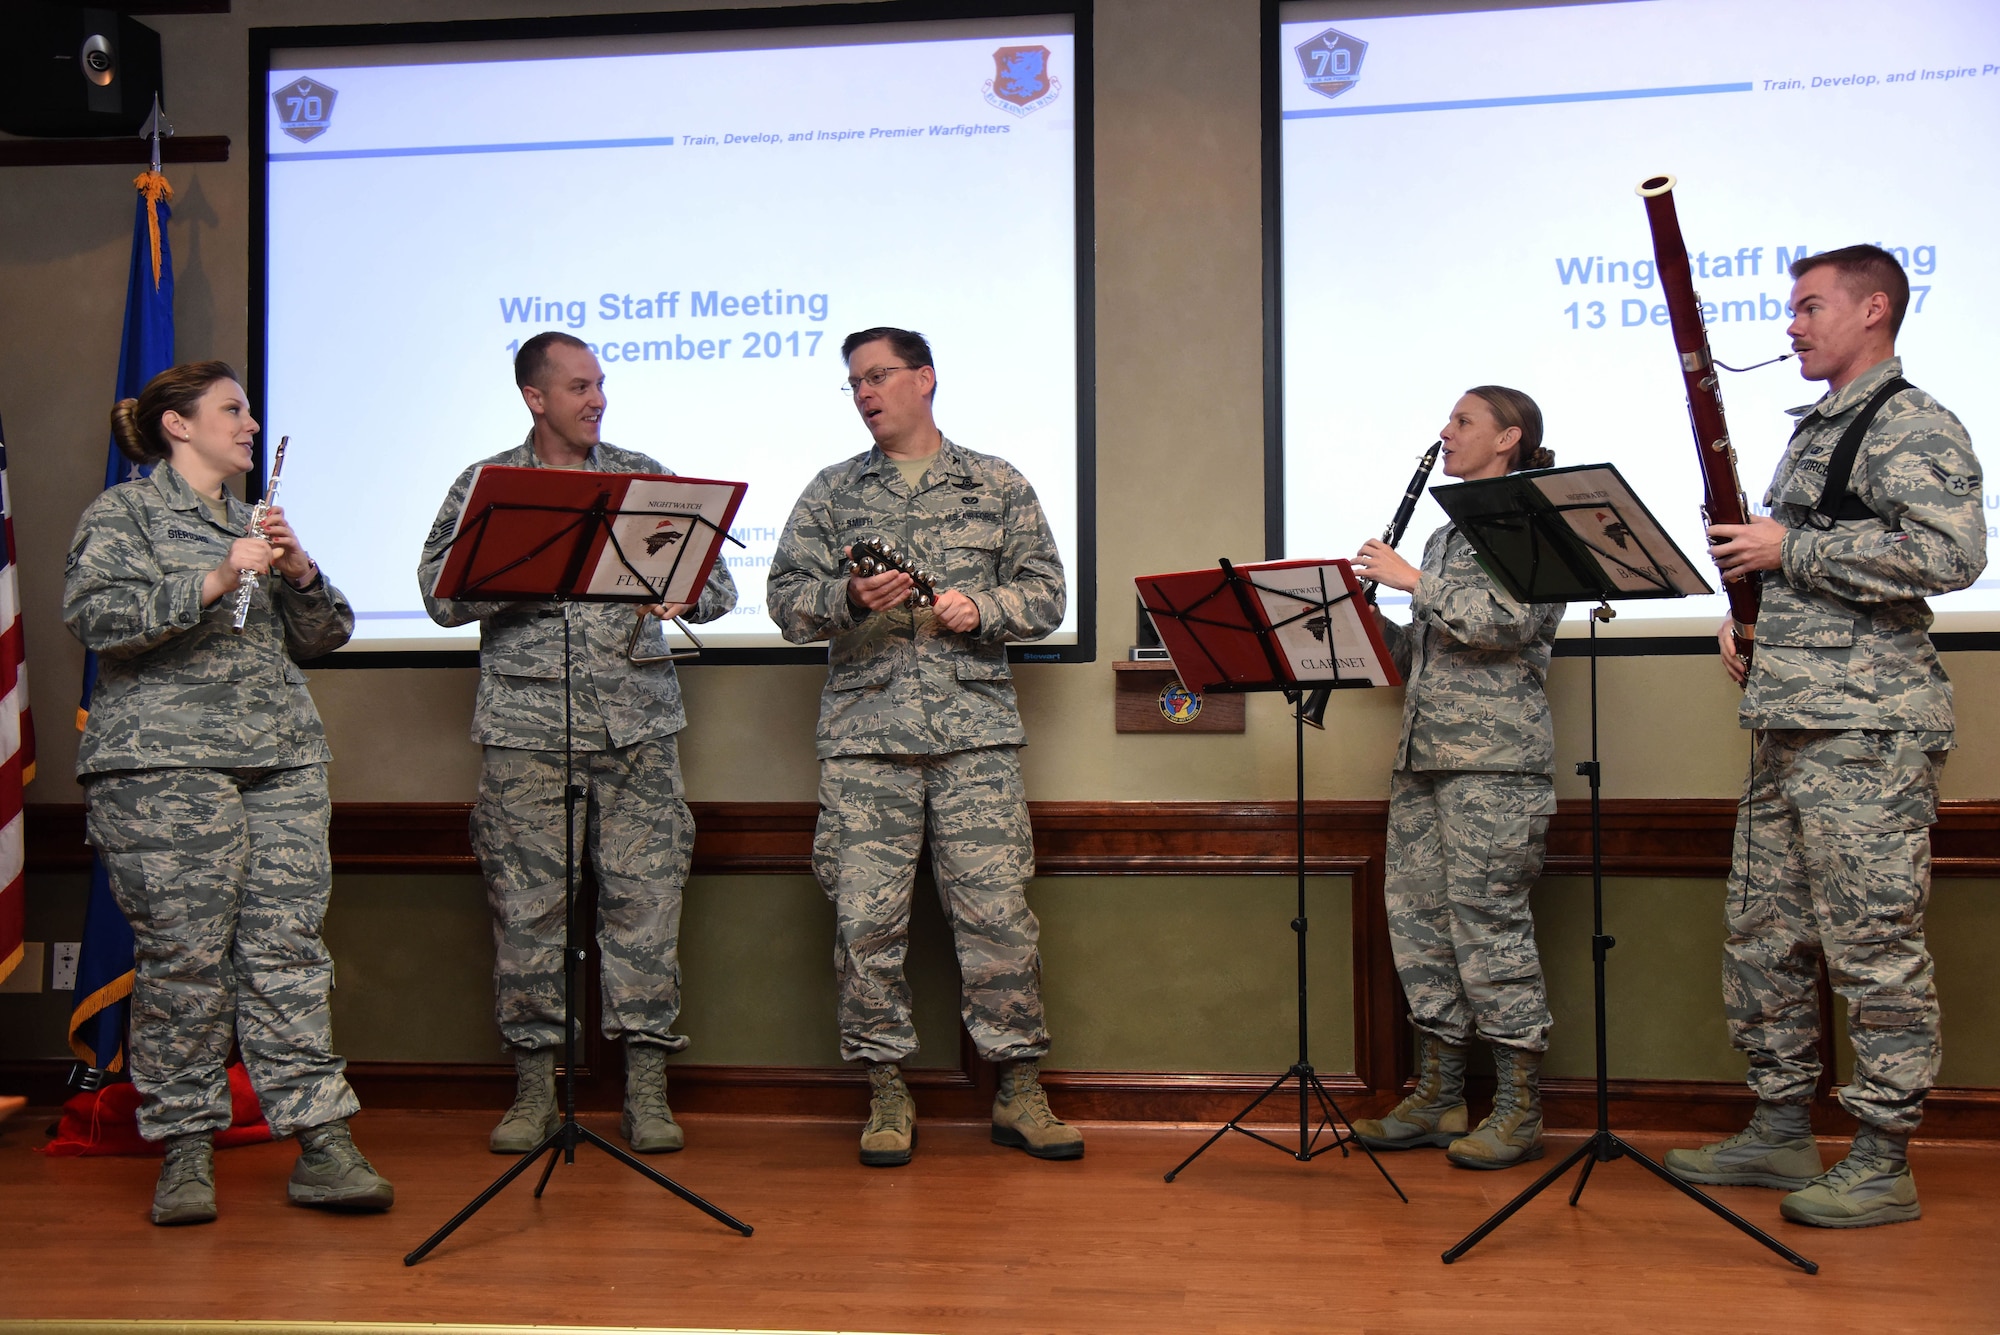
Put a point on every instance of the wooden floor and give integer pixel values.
(974, 1238)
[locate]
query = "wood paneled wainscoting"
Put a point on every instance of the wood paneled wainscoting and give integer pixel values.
(1643, 838)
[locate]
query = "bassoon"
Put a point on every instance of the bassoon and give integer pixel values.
(1722, 493)
(1313, 710)
(246, 581)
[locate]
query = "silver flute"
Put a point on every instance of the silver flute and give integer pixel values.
(246, 580)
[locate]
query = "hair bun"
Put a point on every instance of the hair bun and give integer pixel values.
(126, 432)
(1543, 457)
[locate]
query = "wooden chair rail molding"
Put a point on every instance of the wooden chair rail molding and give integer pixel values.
(125, 150)
(1642, 837)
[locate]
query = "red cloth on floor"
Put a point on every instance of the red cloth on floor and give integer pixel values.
(106, 1121)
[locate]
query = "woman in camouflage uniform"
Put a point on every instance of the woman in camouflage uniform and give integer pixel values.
(1469, 808)
(204, 768)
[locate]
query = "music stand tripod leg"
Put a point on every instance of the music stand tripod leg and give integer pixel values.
(1340, 1142)
(1604, 1144)
(1302, 1069)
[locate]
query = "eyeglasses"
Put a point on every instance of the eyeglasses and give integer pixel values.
(874, 378)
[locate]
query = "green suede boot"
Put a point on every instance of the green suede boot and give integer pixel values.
(534, 1113)
(186, 1190)
(1872, 1185)
(1432, 1114)
(648, 1124)
(1776, 1150)
(332, 1175)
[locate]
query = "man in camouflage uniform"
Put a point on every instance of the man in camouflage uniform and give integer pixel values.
(918, 729)
(203, 763)
(634, 820)
(1853, 717)
(1469, 806)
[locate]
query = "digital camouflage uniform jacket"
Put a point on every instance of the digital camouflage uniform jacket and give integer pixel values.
(176, 685)
(897, 682)
(1843, 635)
(615, 702)
(1473, 663)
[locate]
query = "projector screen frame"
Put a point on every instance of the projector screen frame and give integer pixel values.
(1082, 574)
(1572, 640)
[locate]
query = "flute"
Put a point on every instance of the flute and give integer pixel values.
(246, 580)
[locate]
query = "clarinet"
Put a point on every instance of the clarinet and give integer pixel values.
(1313, 709)
(1404, 509)
(1723, 501)
(246, 581)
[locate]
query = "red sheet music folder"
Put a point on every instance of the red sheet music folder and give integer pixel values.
(529, 532)
(1298, 629)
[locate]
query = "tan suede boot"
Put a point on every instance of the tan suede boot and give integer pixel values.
(1512, 1132)
(1021, 1116)
(890, 1136)
(1432, 1114)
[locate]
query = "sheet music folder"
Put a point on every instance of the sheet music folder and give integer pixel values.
(1276, 625)
(534, 533)
(1563, 535)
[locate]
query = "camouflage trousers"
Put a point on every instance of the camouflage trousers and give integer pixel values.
(1465, 848)
(873, 813)
(635, 825)
(224, 876)
(1833, 860)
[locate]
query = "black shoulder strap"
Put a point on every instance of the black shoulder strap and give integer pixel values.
(1836, 502)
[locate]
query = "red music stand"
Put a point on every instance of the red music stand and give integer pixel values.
(554, 535)
(1278, 626)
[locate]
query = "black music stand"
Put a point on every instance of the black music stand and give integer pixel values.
(1229, 641)
(526, 533)
(1557, 536)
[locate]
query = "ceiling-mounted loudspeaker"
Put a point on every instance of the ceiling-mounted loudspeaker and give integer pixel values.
(69, 72)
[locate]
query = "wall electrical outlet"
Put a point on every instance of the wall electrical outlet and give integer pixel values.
(62, 972)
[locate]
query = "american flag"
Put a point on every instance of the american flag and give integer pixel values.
(17, 741)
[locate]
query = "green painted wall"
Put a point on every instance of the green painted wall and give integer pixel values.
(1141, 973)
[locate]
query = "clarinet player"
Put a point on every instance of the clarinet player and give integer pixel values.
(203, 766)
(1469, 807)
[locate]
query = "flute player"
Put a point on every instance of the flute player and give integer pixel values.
(203, 766)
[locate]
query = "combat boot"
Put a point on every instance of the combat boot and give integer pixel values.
(1872, 1185)
(534, 1114)
(1512, 1132)
(1432, 1114)
(186, 1191)
(332, 1175)
(1776, 1150)
(648, 1124)
(891, 1133)
(1021, 1116)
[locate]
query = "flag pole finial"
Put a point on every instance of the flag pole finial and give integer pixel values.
(156, 127)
